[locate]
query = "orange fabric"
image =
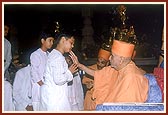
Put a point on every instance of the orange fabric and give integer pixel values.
(104, 54)
(122, 48)
(89, 104)
(103, 80)
(126, 85)
(86, 80)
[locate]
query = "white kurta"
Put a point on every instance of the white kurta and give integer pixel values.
(54, 91)
(7, 54)
(76, 95)
(38, 61)
(22, 89)
(8, 101)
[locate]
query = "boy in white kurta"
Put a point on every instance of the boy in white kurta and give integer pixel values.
(38, 61)
(22, 90)
(54, 91)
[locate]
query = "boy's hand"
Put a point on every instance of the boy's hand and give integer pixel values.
(73, 68)
(29, 108)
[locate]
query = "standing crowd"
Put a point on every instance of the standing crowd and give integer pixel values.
(53, 80)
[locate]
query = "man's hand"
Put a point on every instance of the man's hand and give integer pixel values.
(74, 58)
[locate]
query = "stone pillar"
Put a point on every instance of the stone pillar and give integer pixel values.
(87, 31)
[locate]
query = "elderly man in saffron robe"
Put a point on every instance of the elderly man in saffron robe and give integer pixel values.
(122, 81)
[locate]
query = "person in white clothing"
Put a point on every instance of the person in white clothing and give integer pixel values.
(7, 53)
(8, 100)
(22, 90)
(38, 61)
(76, 95)
(54, 91)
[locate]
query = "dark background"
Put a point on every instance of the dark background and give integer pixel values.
(29, 19)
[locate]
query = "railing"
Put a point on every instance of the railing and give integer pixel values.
(146, 61)
(138, 61)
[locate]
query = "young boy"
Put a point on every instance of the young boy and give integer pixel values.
(54, 92)
(38, 61)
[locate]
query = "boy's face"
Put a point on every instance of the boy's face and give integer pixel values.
(48, 42)
(69, 44)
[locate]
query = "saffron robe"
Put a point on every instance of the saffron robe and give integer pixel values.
(89, 104)
(126, 85)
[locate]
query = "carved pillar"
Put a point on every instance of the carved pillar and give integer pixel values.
(87, 31)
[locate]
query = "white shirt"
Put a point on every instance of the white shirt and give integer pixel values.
(22, 89)
(76, 95)
(54, 91)
(8, 100)
(38, 61)
(7, 54)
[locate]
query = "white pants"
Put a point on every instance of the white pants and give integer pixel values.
(36, 106)
(19, 108)
(8, 101)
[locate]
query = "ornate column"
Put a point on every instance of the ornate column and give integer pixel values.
(87, 31)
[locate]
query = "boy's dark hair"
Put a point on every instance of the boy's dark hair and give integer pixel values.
(47, 33)
(44, 34)
(58, 38)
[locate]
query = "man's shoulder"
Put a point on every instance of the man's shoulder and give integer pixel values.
(107, 69)
(7, 41)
